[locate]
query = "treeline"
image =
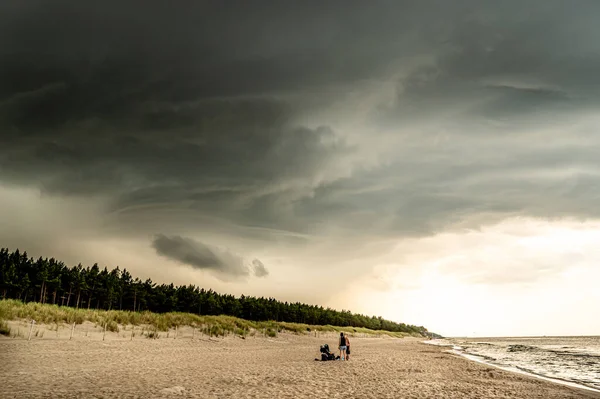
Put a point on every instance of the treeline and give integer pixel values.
(51, 281)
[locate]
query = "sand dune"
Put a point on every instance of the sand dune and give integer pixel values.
(282, 367)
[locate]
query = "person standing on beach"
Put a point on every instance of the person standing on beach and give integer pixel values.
(347, 348)
(342, 346)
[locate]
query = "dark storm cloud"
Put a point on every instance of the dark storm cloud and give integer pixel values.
(110, 59)
(206, 107)
(104, 105)
(508, 63)
(259, 268)
(423, 197)
(201, 256)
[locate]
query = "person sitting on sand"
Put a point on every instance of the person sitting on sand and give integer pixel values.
(342, 346)
(347, 348)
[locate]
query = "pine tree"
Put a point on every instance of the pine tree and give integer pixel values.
(23, 278)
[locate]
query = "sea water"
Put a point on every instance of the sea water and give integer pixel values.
(575, 360)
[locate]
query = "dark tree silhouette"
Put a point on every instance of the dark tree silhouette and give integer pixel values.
(51, 281)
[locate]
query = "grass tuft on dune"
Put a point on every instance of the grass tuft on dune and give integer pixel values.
(217, 326)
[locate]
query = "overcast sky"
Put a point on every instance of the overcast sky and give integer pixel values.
(433, 162)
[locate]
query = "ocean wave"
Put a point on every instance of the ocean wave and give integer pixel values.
(521, 348)
(482, 356)
(575, 354)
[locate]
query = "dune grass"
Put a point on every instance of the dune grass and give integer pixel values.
(217, 326)
(4, 328)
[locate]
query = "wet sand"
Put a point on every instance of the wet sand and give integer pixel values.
(255, 367)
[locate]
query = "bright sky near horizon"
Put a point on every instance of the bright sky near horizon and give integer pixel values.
(436, 163)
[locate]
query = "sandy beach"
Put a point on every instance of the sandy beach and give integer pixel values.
(197, 366)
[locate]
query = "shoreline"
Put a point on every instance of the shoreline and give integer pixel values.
(259, 367)
(482, 360)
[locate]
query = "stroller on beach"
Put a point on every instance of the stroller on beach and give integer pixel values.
(326, 354)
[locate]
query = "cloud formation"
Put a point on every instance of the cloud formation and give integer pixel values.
(259, 268)
(319, 136)
(198, 255)
(146, 119)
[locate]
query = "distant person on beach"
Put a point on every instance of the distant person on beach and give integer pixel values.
(342, 346)
(347, 348)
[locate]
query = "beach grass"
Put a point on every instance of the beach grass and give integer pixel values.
(114, 320)
(4, 328)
